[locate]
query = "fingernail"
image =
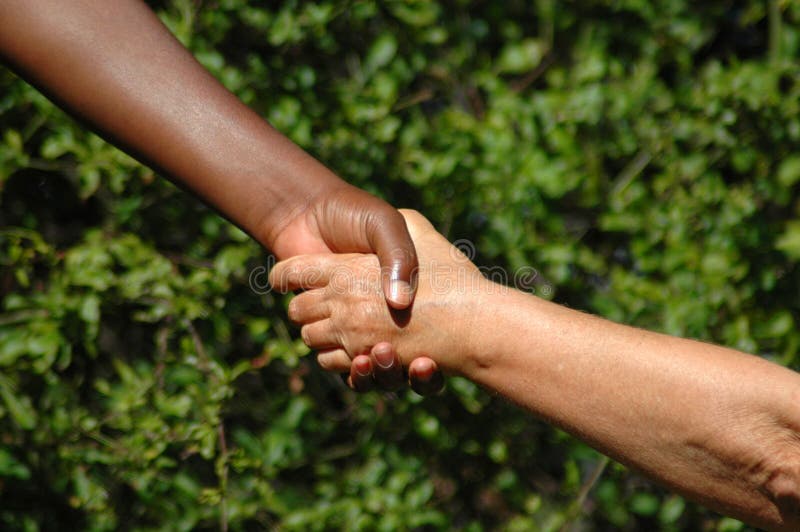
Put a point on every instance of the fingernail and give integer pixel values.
(400, 292)
(424, 370)
(362, 366)
(384, 357)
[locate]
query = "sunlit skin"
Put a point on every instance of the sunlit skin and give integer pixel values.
(716, 425)
(117, 68)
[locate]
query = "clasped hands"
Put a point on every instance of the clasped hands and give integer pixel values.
(345, 317)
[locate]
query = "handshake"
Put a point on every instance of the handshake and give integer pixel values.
(345, 317)
(716, 425)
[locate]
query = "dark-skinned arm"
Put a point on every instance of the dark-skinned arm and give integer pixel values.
(116, 67)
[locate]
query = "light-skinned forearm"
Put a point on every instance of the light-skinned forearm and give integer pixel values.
(717, 425)
(116, 67)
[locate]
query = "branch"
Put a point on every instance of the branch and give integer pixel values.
(576, 506)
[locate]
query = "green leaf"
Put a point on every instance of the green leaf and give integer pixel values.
(789, 171)
(789, 240)
(10, 467)
(90, 309)
(417, 13)
(381, 53)
(671, 510)
(19, 407)
(13, 140)
(728, 524)
(520, 57)
(644, 504)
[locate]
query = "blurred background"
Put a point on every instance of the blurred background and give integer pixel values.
(641, 155)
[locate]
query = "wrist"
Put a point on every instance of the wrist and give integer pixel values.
(503, 324)
(474, 315)
(286, 218)
(482, 345)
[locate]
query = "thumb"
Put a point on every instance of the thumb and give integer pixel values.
(392, 243)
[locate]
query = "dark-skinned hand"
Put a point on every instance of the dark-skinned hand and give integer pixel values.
(120, 71)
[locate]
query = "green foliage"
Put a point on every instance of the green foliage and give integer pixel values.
(640, 155)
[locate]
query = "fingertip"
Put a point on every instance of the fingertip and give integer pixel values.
(276, 276)
(362, 366)
(384, 356)
(360, 378)
(381, 346)
(335, 360)
(425, 377)
(386, 368)
(422, 368)
(398, 258)
(399, 294)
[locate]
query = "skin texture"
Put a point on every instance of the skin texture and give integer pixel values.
(376, 321)
(719, 426)
(115, 67)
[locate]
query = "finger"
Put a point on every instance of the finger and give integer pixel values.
(304, 272)
(390, 239)
(425, 377)
(335, 360)
(320, 335)
(360, 378)
(417, 223)
(386, 368)
(308, 307)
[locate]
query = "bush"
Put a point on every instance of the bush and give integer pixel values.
(640, 155)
